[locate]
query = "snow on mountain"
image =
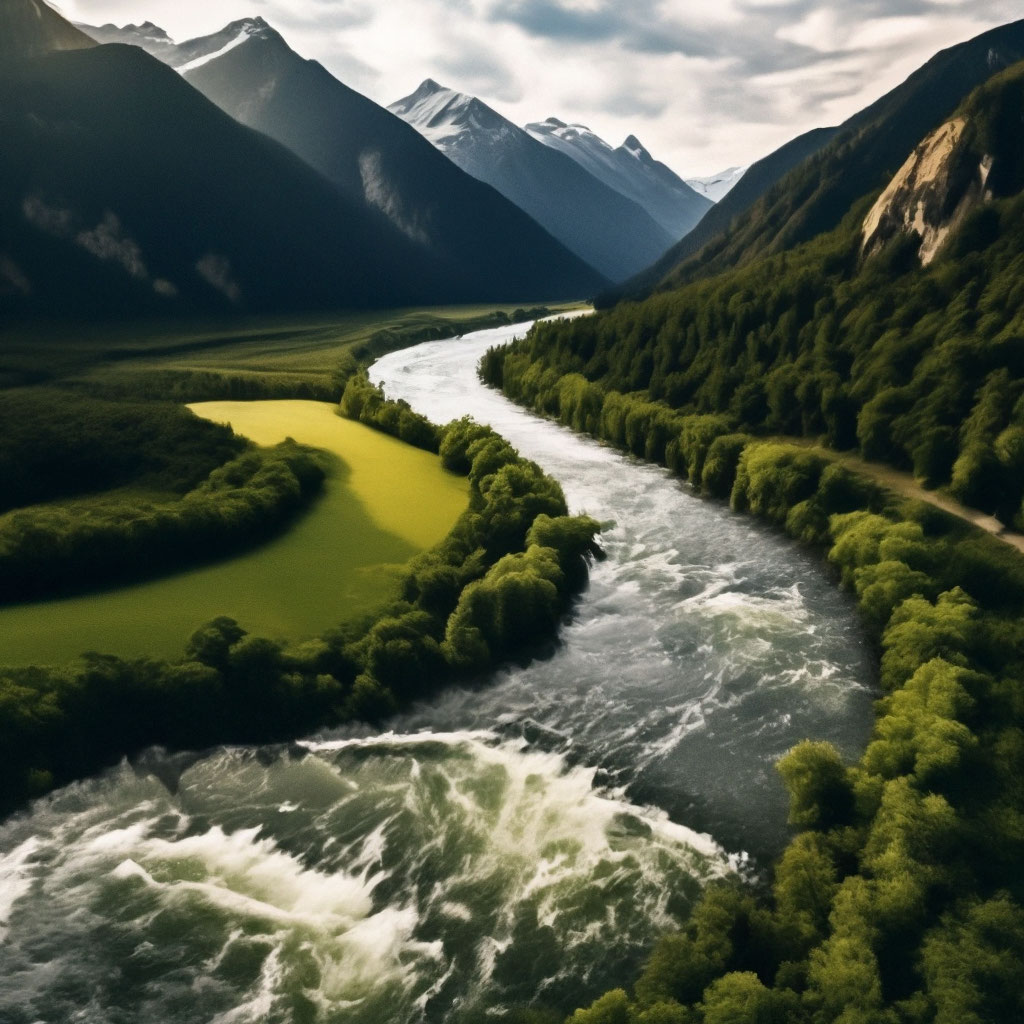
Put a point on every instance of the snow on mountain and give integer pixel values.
(610, 230)
(482, 244)
(197, 52)
(454, 122)
(186, 56)
(717, 186)
(630, 170)
(198, 62)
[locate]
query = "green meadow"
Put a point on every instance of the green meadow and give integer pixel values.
(246, 357)
(384, 502)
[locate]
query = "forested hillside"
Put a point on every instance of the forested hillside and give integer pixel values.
(919, 367)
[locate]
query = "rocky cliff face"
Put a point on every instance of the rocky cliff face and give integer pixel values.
(941, 183)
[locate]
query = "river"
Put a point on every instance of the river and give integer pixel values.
(520, 841)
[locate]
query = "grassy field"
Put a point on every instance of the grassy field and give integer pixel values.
(384, 502)
(181, 360)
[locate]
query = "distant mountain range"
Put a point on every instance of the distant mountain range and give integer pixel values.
(630, 170)
(124, 191)
(104, 209)
(485, 246)
(148, 36)
(616, 210)
(437, 198)
(488, 244)
(717, 186)
(613, 233)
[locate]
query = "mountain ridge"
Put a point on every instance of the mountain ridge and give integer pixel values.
(491, 247)
(630, 170)
(838, 167)
(611, 232)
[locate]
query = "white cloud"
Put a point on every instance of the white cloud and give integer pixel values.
(703, 85)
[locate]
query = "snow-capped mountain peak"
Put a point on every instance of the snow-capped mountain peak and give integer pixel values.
(717, 186)
(594, 220)
(445, 116)
(197, 52)
(634, 147)
(630, 170)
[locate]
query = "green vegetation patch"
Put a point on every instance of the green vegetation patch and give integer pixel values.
(55, 444)
(119, 537)
(244, 359)
(497, 585)
(382, 503)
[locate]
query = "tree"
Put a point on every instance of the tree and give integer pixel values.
(820, 793)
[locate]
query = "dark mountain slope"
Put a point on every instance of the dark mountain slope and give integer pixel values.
(493, 249)
(29, 28)
(757, 180)
(865, 153)
(121, 187)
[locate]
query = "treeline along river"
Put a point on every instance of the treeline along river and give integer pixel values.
(519, 841)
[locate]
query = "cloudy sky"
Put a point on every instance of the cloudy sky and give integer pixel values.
(703, 83)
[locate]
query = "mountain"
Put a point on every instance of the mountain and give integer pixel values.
(859, 158)
(630, 170)
(717, 186)
(947, 186)
(492, 249)
(755, 182)
(603, 227)
(153, 39)
(123, 190)
(29, 28)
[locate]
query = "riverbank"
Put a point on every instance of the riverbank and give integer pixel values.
(875, 906)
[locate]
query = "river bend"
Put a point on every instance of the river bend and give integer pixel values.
(519, 841)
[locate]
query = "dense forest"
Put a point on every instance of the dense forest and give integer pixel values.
(58, 444)
(899, 900)
(495, 588)
(919, 368)
(922, 368)
(900, 897)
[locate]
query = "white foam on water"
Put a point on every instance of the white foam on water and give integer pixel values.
(251, 877)
(15, 879)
